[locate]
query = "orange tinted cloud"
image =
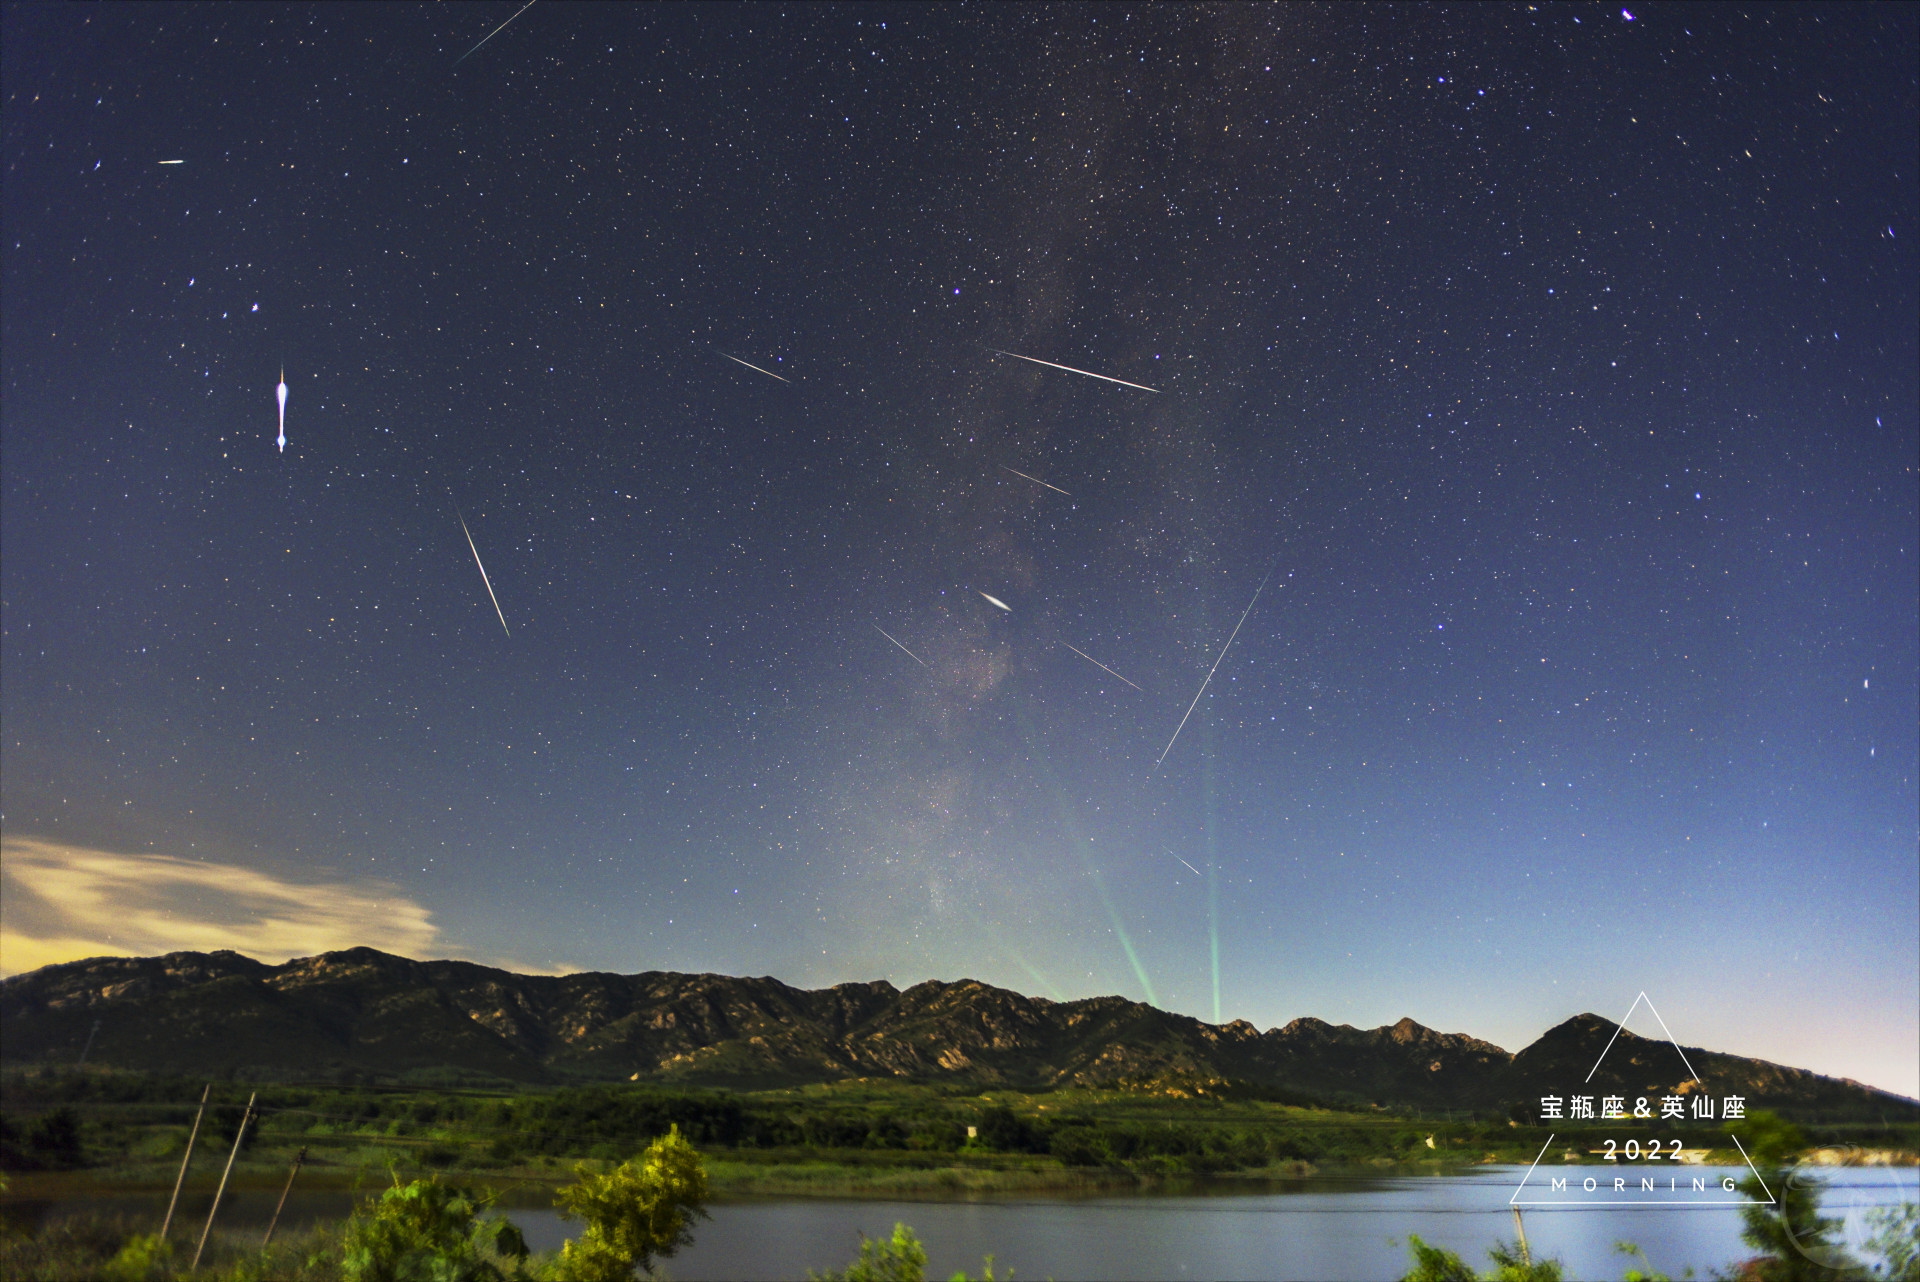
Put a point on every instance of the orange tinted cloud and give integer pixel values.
(62, 903)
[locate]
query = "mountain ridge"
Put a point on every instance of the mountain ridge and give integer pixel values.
(360, 1012)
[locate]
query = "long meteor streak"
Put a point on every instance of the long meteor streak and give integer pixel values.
(750, 365)
(1071, 370)
(483, 569)
(1210, 671)
(1190, 868)
(910, 654)
(994, 600)
(491, 34)
(1037, 481)
(1103, 667)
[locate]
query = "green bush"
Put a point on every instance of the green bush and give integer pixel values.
(900, 1258)
(145, 1257)
(1510, 1264)
(427, 1231)
(634, 1213)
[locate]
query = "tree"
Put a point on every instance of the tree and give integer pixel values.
(1896, 1240)
(1783, 1220)
(427, 1231)
(1003, 1129)
(636, 1212)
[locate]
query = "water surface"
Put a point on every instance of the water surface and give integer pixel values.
(1319, 1229)
(1331, 1228)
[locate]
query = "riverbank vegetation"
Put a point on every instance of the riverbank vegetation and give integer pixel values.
(71, 1129)
(638, 1212)
(632, 1215)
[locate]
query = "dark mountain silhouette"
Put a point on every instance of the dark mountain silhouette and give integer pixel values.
(362, 1014)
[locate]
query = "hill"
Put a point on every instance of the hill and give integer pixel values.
(366, 1015)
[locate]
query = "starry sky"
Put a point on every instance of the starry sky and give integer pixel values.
(1545, 380)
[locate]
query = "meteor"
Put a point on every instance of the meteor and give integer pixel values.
(491, 34)
(1210, 671)
(169, 162)
(1104, 668)
(994, 600)
(910, 654)
(1190, 868)
(281, 392)
(1071, 370)
(750, 365)
(483, 569)
(1036, 480)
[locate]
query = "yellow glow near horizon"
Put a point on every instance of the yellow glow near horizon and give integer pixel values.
(63, 903)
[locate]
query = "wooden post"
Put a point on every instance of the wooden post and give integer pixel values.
(221, 1192)
(1526, 1256)
(298, 1158)
(186, 1157)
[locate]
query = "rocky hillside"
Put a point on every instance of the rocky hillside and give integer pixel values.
(362, 1013)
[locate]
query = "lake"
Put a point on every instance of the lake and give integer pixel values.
(1321, 1228)
(1316, 1229)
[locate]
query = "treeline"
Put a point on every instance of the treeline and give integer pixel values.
(55, 1120)
(50, 1142)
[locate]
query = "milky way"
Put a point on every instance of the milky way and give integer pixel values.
(1560, 369)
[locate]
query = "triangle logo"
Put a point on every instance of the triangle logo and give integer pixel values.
(1631, 1104)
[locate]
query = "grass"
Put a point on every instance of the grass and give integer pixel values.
(84, 1249)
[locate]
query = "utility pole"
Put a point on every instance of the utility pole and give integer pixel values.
(221, 1192)
(298, 1158)
(186, 1157)
(1526, 1256)
(91, 1034)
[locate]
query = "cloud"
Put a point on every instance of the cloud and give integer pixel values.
(60, 903)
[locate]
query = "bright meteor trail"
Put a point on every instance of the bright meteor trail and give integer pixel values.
(1071, 370)
(1103, 667)
(1210, 671)
(281, 392)
(483, 569)
(1037, 481)
(910, 654)
(750, 365)
(491, 34)
(994, 600)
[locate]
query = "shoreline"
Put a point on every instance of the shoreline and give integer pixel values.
(759, 1175)
(733, 1181)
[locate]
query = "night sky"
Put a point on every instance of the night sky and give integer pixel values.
(1556, 371)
